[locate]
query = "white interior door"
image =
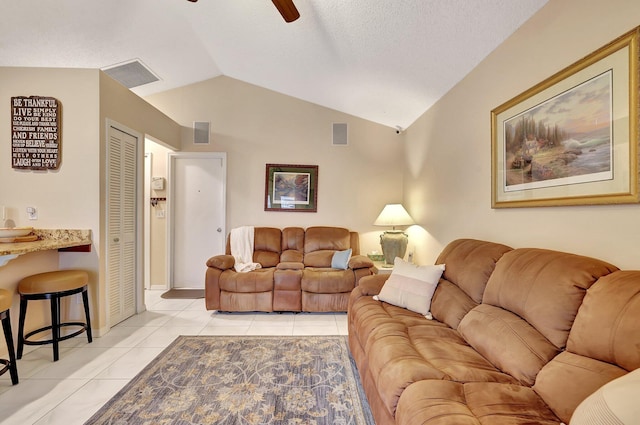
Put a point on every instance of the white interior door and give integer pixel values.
(121, 224)
(197, 188)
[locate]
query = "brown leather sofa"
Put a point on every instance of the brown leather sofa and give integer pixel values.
(296, 272)
(519, 336)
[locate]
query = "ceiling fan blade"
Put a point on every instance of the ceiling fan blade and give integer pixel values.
(287, 9)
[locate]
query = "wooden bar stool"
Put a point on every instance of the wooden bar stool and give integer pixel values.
(53, 286)
(10, 365)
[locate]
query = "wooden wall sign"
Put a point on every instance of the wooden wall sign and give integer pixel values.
(35, 133)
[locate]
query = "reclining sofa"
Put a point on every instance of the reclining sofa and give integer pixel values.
(296, 272)
(518, 336)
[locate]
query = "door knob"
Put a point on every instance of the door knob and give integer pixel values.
(219, 230)
(116, 239)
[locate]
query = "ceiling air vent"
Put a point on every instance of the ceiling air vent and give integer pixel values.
(131, 74)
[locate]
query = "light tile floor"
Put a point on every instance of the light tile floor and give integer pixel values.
(72, 389)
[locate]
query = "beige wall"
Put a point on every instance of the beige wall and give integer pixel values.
(118, 104)
(65, 198)
(69, 197)
(255, 126)
(158, 225)
(447, 180)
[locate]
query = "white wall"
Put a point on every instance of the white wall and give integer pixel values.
(255, 126)
(447, 179)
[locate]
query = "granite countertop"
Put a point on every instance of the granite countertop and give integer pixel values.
(48, 239)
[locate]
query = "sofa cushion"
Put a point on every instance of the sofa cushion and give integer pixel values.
(507, 341)
(448, 352)
(612, 307)
(321, 258)
(267, 244)
(403, 347)
(469, 262)
(326, 238)
(475, 403)
(291, 256)
(292, 244)
(293, 238)
(327, 281)
(260, 280)
(411, 286)
(529, 305)
(544, 287)
(287, 279)
(569, 378)
(450, 304)
(603, 344)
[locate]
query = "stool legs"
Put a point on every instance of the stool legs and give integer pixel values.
(85, 301)
(55, 327)
(23, 315)
(8, 336)
(56, 323)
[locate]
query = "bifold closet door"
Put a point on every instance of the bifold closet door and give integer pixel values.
(121, 224)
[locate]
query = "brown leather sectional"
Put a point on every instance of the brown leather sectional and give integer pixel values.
(296, 273)
(519, 336)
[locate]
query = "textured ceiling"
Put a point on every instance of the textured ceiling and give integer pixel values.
(382, 60)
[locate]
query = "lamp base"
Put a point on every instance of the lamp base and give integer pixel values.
(394, 244)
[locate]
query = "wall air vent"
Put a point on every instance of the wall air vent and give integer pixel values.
(201, 132)
(340, 134)
(131, 74)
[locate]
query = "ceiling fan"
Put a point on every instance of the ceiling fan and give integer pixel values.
(286, 8)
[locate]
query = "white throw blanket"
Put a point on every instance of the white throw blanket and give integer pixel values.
(241, 241)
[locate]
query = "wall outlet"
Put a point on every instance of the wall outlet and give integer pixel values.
(159, 213)
(32, 213)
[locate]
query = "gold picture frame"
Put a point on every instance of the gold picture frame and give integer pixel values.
(573, 138)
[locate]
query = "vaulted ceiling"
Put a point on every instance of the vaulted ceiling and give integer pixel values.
(383, 60)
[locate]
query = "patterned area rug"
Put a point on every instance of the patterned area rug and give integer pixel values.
(244, 380)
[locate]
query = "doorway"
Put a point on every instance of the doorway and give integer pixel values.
(197, 211)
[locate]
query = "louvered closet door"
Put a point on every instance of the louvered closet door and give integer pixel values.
(121, 225)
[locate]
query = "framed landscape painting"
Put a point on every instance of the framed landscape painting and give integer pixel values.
(572, 139)
(291, 188)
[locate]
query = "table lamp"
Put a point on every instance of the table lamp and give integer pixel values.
(393, 242)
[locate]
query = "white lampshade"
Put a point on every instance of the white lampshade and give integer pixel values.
(393, 215)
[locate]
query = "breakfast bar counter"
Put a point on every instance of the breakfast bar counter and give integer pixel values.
(60, 239)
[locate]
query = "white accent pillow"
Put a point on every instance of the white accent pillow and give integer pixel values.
(614, 403)
(411, 286)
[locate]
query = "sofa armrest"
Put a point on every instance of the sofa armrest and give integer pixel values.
(372, 285)
(360, 262)
(222, 262)
(290, 265)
